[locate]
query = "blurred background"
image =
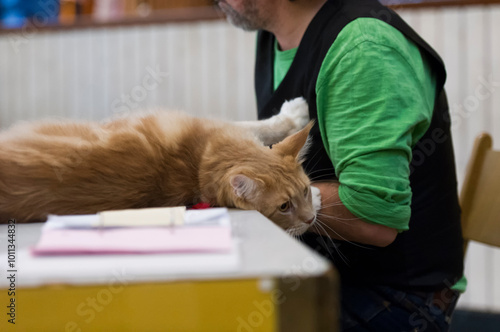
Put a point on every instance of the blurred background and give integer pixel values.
(13, 13)
(91, 59)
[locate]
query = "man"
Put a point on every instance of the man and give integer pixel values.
(382, 154)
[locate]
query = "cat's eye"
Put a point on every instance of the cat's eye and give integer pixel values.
(284, 207)
(306, 191)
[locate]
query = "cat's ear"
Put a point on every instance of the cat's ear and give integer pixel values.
(296, 145)
(243, 186)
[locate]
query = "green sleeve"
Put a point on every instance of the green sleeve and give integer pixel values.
(375, 96)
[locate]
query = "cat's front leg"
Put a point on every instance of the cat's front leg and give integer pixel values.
(293, 116)
(316, 198)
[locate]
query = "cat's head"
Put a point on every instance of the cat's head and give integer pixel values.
(277, 185)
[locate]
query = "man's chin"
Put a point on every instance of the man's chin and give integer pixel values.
(235, 18)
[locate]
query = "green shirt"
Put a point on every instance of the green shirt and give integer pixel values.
(375, 98)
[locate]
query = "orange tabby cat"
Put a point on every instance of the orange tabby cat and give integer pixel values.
(158, 159)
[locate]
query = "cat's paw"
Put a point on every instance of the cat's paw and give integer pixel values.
(297, 112)
(316, 198)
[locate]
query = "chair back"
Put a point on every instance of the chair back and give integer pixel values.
(480, 195)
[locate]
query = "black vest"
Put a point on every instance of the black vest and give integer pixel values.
(429, 255)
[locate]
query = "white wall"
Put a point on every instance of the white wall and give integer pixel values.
(209, 72)
(206, 68)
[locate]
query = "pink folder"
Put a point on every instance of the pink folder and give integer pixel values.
(134, 240)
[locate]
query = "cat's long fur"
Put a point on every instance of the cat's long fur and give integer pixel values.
(155, 159)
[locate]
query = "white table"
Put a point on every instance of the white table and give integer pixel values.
(271, 282)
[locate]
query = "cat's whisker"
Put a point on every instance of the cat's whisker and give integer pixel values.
(336, 218)
(318, 178)
(333, 218)
(322, 169)
(365, 206)
(312, 158)
(346, 223)
(339, 203)
(322, 237)
(343, 238)
(316, 163)
(296, 231)
(314, 177)
(340, 254)
(321, 230)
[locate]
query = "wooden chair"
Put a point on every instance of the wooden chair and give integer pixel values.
(480, 196)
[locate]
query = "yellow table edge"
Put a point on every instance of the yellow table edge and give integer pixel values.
(220, 305)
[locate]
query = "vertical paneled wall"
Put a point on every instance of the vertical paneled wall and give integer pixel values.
(203, 68)
(207, 69)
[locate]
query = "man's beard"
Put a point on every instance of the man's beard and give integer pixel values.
(248, 21)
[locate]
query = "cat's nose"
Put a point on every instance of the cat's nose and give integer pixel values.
(310, 221)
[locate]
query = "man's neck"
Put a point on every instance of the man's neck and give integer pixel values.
(293, 21)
